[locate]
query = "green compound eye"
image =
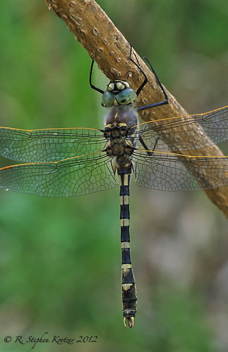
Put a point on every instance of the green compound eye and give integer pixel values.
(108, 99)
(127, 96)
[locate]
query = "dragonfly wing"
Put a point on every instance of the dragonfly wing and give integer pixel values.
(179, 132)
(49, 144)
(170, 172)
(215, 124)
(70, 177)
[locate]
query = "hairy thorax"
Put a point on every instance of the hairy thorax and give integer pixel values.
(120, 135)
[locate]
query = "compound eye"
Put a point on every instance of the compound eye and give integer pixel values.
(127, 96)
(108, 98)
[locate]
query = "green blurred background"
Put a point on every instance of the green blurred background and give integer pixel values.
(60, 258)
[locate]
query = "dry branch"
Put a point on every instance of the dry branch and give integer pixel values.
(104, 42)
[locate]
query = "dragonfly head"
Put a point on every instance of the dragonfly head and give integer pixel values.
(118, 93)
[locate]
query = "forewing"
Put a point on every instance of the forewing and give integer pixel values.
(171, 172)
(179, 132)
(70, 177)
(49, 144)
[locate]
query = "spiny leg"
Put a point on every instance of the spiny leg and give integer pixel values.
(149, 153)
(90, 79)
(145, 77)
(129, 298)
(163, 102)
(145, 82)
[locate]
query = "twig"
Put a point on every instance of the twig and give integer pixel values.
(105, 43)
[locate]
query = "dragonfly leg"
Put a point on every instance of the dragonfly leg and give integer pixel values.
(90, 79)
(163, 102)
(149, 153)
(145, 77)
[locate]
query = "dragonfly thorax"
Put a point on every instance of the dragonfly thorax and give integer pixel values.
(119, 146)
(115, 130)
(120, 130)
(115, 148)
(118, 93)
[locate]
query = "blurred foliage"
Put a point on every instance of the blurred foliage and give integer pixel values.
(60, 258)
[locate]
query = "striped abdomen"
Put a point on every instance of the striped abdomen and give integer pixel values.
(129, 298)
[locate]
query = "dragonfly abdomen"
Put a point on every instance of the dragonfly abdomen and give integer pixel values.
(129, 298)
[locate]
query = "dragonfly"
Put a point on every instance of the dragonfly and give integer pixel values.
(68, 162)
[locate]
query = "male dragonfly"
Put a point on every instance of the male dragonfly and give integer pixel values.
(78, 161)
